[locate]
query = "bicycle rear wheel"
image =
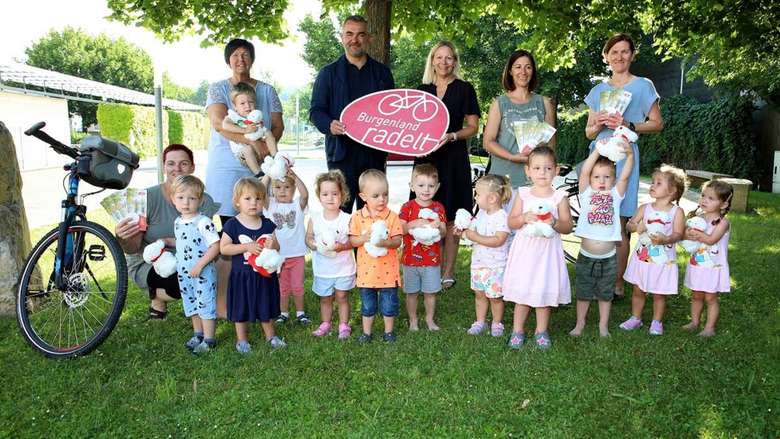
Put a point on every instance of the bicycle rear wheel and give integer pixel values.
(572, 243)
(75, 320)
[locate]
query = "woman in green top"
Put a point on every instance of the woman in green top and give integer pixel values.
(160, 215)
(519, 79)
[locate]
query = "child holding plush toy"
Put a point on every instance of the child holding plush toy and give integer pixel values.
(376, 232)
(652, 267)
(248, 121)
(489, 234)
(251, 296)
(423, 221)
(287, 212)
(536, 275)
(332, 260)
(196, 249)
(707, 273)
(599, 227)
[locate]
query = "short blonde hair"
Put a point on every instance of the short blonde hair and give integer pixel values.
(246, 184)
(497, 184)
(188, 182)
(371, 174)
(676, 178)
(242, 88)
(334, 176)
(429, 75)
(427, 170)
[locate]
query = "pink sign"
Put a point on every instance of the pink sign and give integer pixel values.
(402, 121)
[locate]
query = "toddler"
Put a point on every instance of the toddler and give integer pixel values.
(248, 121)
(421, 262)
(652, 268)
(377, 277)
(707, 273)
(332, 261)
(536, 275)
(490, 237)
(287, 212)
(599, 228)
(251, 297)
(196, 248)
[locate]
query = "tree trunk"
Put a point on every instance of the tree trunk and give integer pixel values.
(378, 17)
(14, 234)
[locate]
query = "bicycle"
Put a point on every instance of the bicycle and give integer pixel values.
(72, 289)
(419, 102)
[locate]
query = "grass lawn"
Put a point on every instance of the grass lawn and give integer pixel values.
(142, 382)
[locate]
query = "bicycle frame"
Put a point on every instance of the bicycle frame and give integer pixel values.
(71, 211)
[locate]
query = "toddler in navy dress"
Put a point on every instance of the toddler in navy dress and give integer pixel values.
(196, 249)
(251, 297)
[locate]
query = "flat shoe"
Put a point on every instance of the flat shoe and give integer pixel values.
(448, 283)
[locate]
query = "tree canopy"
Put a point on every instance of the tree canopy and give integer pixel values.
(736, 42)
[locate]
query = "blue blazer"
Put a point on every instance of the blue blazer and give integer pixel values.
(330, 94)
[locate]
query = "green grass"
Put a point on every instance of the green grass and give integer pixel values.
(142, 383)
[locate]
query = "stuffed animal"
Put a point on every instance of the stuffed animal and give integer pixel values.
(276, 167)
(655, 225)
(426, 235)
(327, 243)
(267, 262)
(163, 261)
(695, 223)
(540, 228)
(613, 147)
(463, 219)
(253, 118)
(378, 233)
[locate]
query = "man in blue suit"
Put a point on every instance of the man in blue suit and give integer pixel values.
(353, 75)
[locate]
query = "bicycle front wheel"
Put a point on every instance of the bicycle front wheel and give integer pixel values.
(73, 320)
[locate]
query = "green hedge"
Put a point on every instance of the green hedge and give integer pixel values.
(135, 127)
(714, 136)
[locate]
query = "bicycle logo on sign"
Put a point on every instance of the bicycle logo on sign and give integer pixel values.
(424, 108)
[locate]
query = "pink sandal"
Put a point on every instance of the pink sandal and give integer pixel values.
(323, 330)
(344, 331)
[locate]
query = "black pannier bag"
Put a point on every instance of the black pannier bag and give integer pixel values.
(106, 163)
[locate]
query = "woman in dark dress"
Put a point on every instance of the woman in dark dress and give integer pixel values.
(441, 78)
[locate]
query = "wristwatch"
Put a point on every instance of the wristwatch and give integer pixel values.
(631, 126)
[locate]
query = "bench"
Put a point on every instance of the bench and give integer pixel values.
(697, 178)
(739, 201)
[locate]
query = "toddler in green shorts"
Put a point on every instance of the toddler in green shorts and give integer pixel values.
(600, 229)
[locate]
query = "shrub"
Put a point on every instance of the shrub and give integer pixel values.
(715, 136)
(135, 127)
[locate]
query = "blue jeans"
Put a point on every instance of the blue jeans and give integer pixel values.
(387, 299)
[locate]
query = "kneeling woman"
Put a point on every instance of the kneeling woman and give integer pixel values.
(160, 215)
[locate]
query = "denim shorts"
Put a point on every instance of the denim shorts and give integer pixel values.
(385, 298)
(326, 286)
(421, 279)
(595, 278)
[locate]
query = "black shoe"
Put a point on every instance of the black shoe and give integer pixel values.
(303, 319)
(365, 338)
(389, 337)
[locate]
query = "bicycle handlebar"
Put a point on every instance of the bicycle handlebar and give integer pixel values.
(56, 145)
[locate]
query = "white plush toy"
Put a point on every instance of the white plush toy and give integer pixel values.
(695, 223)
(163, 261)
(543, 212)
(253, 118)
(327, 244)
(267, 262)
(612, 147)
(426, 235)
(276, 167)
(655, 225)
(463, 219)
(378, 233)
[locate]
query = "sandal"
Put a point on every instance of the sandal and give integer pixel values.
(155, 314)
(448, 283)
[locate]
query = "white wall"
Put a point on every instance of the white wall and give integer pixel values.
(20, 112)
